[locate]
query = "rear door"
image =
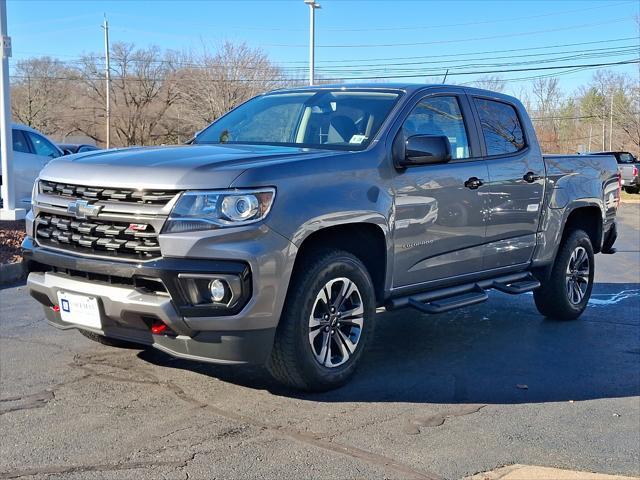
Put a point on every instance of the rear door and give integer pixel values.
(439, 226)
(516, 183)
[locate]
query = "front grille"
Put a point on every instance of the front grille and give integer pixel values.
(124, 240)
(151, 197)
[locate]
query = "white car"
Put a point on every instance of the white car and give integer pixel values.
(31, 152)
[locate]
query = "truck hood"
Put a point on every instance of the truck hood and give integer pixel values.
(170, 168)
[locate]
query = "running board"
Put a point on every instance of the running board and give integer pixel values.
(515, 288)
(450, 298)
(477, 295)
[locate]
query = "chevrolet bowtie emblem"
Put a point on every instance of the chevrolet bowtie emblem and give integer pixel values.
(82, 209)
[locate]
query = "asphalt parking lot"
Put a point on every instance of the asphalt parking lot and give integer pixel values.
(437, 397)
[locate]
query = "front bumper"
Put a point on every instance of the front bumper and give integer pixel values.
(129, 303)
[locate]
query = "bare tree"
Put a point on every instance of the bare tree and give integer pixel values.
(38, 93)
(218, 82)
(143, 88)
(494, 83)
(547, 95)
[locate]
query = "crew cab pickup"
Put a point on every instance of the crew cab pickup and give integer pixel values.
(276, 234)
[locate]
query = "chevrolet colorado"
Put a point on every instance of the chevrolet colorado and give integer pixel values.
(276, 234)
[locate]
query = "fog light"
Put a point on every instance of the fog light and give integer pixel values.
(218, 290)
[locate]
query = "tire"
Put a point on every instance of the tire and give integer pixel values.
(565, 294)
(632, 190)
(111, 342)
(316, 349)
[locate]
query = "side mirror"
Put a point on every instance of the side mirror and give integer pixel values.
(426, 149)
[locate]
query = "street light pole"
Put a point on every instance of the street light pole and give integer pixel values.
(313, 5)
(8, 212)
(107, 74)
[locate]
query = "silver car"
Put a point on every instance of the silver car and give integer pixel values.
(31, 152)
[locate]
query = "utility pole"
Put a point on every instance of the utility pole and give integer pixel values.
(611, 124)
(312, 37)
(107, 72)
(8, 212)
(604, 122)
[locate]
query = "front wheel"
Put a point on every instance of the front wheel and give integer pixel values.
(326, 323)
(565, 294)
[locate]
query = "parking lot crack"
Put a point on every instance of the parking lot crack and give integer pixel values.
(25, 402)
(415, 425)
(405, 471)
(105, 467)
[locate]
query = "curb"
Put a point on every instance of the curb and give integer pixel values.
(12, 273)
(531, 472)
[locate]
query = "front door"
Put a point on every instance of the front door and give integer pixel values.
(439, 225)
(515, 187)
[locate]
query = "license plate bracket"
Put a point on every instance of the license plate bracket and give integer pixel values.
(79, 309)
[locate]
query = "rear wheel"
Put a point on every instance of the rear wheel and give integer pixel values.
(326, 323)
(632, 190)
(565, 294)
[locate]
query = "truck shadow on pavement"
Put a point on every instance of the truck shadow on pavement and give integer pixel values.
(501, 352)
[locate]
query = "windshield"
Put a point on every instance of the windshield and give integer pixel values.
(340, 119)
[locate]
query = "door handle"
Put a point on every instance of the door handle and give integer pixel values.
(473, 183)
(530, 177)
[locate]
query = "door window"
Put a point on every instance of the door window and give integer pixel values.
(42, 146)
(20, 142)
(501, 127)
(439, 116)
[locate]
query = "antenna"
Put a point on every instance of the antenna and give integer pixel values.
(445, 76)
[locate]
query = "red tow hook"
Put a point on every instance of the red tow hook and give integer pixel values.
(158, 327)
(55, 308)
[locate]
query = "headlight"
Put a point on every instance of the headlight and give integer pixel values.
(199, 210)
(34, 192)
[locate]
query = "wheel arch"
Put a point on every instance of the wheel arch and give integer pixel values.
(588, 217)
(365, 240)
(558, 223)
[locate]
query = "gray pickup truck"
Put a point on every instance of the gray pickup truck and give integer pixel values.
(628, 166)
(276, 234)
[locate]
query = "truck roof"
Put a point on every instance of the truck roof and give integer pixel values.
(403, 86)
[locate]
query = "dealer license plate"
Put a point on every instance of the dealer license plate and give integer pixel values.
(79, 309)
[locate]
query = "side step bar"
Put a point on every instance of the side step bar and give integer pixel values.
(446, 299)
(477, 295)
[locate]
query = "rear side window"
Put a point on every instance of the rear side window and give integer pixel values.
(20, 142)
(501, 127)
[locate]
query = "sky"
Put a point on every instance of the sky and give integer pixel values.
(406, 39)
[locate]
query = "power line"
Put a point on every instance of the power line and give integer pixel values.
(476, 39)
(571, 55)
(409, 44)
(379, 77)
(351, 62)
